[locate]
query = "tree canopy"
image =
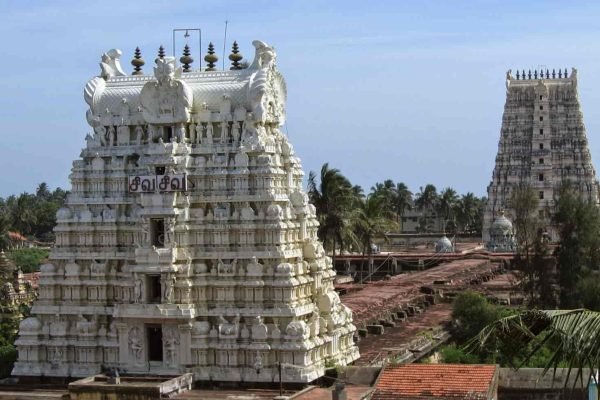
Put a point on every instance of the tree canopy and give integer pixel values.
(31, 214)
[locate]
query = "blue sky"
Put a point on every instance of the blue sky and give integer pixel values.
(407, 90)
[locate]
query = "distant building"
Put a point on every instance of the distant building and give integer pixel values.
(437, 381)
(15, 289)
(421, 221)
(16, 240)
(542, 143)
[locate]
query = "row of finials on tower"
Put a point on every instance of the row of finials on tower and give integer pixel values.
(547, 74)
(186, 59)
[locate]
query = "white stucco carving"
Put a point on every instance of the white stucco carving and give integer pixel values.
(219, 276)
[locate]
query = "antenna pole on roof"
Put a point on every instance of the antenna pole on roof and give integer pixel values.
(224, 41)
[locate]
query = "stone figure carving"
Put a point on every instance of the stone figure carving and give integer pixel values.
(166, 99)
(248, 126)
(199, 132)
(139, 134)
(209, 133)
(258, 362)
(296, 330)
(83, 326)
(259, 86)
(152, 133)
(171, 341)
(145, 235)
(223, 268)
(169, 288)
(111, 135)
(108, 213)
(259, 329)
(229, 329)
(170, 232)
(254, 268)
(55, 355)
(247, 213)
(314, 323)
(236, 132)
(224, 131)
(110, 65)
(135, 344)
(180, 133)
(137, 289)
(100, 135)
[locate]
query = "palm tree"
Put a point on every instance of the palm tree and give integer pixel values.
(426, 197)
(466, 212)
(425, 201)
(23, 213)
(573, 335)
(446, 204)
(402, 201)
(334, 199)
(386, 191)
(372, 222)
(42, 191)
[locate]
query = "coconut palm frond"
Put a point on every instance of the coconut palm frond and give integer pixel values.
(574, 336)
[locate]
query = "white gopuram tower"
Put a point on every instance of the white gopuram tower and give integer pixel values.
(187, 243)
(542, 143)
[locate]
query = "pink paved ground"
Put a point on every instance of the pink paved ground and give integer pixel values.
(377, 299)
(374, 347)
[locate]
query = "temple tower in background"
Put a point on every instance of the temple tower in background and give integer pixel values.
(542, 143)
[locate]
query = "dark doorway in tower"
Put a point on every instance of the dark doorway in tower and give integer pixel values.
(157, 230)
(155, 343)
(154, 289)
(169, 133)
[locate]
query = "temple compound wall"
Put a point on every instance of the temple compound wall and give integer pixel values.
(542, 143)
(187, 243)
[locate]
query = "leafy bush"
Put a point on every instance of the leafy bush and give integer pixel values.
(453, 354)
(471, 312)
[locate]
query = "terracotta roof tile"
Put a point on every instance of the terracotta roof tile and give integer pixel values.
(427, 381)
(16, 236)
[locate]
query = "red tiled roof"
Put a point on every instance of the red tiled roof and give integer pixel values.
(16, 236)
(33, 278)
(427, 381)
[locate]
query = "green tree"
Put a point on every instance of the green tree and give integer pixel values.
(453, 354)
(468, 212)
(4, 226)
(471, 312)
(578, 222)
(568, 337)
(385, 191)
(23, 213)
(372, 223)
(446, 205)
(402, 201)
(42, 192)
(29, 259)
(425, 201)
(524, 202)
(334, 199)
